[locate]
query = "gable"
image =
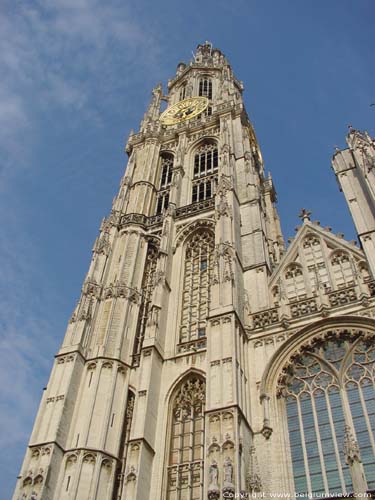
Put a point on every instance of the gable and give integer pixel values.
(317, 262)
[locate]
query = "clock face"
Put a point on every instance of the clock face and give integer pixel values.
(184, 110)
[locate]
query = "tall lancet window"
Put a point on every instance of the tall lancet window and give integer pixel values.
(166, 168)
(205, 87)
(342, 269)
(186, 452)
(205, 90)
(330, 406)
(182, 93)
(206, 164)
(196, 286)
(145, 308)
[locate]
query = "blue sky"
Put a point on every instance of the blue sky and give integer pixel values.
(77, 76)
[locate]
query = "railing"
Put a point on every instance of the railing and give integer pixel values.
(265, 318)
(134, 219)
(343, 296)
(193, 345)
(144, 220)
(195, 207)
(303, 307)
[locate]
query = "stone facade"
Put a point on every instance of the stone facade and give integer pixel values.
(194, 319)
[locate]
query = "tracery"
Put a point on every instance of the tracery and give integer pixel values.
(196, 285)
(329, 395)
(206, 164)
(186, 453)
(166, 167)
(145, 307)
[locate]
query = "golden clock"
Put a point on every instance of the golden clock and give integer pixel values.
(184, 110)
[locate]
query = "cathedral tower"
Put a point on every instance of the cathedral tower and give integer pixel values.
(188, 366)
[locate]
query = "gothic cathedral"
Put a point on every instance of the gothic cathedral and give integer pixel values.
(204, 360)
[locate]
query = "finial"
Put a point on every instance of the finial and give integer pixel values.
(304, 215)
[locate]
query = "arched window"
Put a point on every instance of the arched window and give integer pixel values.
(206, 164)
(124, 442)
(166, 168)
(342, 269)
(182, 93)
(294, 282)
(205, 87)
(330, 405)
(186, 459)
(315, 262)
(145, 307)
(196, 286)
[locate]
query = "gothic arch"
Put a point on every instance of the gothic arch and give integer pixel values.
(311, 239)
(186, 232)
(303, 337)
(197, 269)
(167, 152)
(190, 372)
(200, 142)
(338, 251)
(294, 268)
(184, 451)
(321, 383)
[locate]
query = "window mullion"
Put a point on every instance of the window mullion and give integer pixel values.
(368, 423)
(199, 289)
(191, 293)
(305, 458)
(318, 440)
(335, 444)
(191, 440)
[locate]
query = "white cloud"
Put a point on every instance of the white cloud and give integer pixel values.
(55, 55)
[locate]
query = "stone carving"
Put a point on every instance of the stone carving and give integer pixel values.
(153, 319)
(85, 310)
(131, 474)
(191, 394)
(154, 108)
(158, 278)
(102, 245)
(120, 290)
(91, 287)
(253, 480)
(351, 448)
(228, 486)
(340, 297)
(196, 207)
(213, 487)
(265, 318)
(228, 472)
(223, 263)
(303, 307)
(204, 224)
(193, 346)
(90, 458)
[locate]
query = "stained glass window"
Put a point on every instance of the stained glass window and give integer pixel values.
(186, 451)
(196, 289)
(328, 389)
